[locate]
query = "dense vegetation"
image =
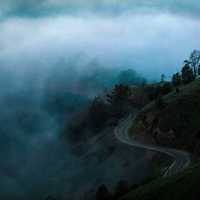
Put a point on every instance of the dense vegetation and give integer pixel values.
(182, 186)
(107, 108)
(156, 103)
(173, 119)
(179, 98)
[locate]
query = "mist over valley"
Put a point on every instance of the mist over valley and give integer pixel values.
(59, 61)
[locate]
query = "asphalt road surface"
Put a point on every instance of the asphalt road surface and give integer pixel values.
(181, 159)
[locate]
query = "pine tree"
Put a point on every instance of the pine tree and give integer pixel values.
(195, 61)
(187, 73)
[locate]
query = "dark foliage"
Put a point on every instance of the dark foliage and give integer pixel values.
(154, 91)
(160, 102)
(176, 79)
(187, 73)
(50, 198)
(90, 121)
(121, 189)
(195, 61)
(163, 78)
(166, 88)
(199, 69)
(98, 113)
(103, 193)
(119, 100)
(76, 127)
(177, 90)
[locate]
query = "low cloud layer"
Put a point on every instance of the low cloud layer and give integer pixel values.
(64, 40)
(151, 43)
(149, 36)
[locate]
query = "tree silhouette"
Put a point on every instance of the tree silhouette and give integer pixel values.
(187, 73)
(163, 78)
(119, 99)
(199, 69)
(195, 61)
(98, 113)
(176, 80)
(166, 88)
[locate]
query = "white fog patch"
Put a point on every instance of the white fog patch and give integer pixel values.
(144, 42)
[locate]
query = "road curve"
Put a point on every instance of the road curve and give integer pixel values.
(181, 159)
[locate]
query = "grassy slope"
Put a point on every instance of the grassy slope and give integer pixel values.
(177, 124)
(182, 113)
(184, 186)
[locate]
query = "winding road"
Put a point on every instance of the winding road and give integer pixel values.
(181, 159)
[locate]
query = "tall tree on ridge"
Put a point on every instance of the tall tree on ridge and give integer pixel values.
(187, 73)
(195, 61)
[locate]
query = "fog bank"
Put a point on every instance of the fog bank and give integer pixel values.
(53, 50)
(148, 43)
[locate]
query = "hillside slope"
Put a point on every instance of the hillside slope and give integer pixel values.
(176, 124)
(183, 186)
